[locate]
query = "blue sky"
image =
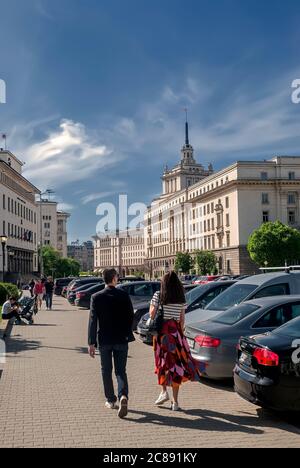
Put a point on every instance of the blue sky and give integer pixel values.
(96, 88)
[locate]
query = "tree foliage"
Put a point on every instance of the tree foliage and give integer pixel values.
(206, 262)
(273, 244)
(183, 262)
(57, 266)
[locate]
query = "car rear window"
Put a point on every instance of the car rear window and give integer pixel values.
(291, 329)
(193, 295)
(236, 314)
(233, 296)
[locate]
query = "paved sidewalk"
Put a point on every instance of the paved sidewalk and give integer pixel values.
(50, 396)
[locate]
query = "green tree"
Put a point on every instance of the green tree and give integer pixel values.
(273, 244)
(50, 258)
(57, 266)
(206, 262)
(183, 262)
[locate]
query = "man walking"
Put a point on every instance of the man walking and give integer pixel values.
(111, 317)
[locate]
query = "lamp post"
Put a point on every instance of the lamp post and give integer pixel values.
(3, 240)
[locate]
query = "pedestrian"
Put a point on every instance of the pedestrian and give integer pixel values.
(11, 309)
(31, 287)
(111, 318)
(39, 291)
(174, 364)
(49, 287)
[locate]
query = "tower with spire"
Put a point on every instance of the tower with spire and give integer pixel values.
(188, 172)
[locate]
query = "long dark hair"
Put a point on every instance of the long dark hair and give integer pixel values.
(171, 291)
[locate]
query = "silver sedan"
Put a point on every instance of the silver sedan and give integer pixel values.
(214, 342)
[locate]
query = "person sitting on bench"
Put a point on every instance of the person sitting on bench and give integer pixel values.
(10, 309)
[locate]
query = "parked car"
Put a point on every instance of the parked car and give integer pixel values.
(130, 279)
(186, 279)
(188, 287)
(72, 294)
(253, 287)
(60, 283)
(267, 372)
(140, 291)
(83, 295)
(206, 279)
(198, 296)
(76, 283)
(214, 342)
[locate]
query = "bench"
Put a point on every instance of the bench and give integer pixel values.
(6, 327)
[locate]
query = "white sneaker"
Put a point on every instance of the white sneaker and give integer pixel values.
(175, 407)
(110, 405)
(163, 397)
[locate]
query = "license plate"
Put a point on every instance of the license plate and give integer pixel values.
(245, 359)
(191, 343)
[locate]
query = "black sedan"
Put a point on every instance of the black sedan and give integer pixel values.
(72, 294)
(84, 294)
(196, 298)
(267, 372)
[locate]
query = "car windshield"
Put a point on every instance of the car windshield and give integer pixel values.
(291, 328)
(233, 296)
(236, 314)
(195, 293)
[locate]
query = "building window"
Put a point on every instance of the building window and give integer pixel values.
(228, 239)
(3, 201)
(264, 176)
(265, 198)
(292, 176)
(291, 199)
(265, 216)
(227, 202)
(291, 217)
(228, 266)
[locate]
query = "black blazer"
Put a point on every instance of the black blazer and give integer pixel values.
(111, 318)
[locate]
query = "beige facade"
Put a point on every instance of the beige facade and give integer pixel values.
(18, 219)
(124, 251)
(220, 211)
(52, 226)
(62, 233)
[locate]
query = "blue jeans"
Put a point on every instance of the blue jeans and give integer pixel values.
(118, 355)
(49, 297)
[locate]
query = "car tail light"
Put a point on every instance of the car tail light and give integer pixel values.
(265, 357)
(207, 341)
(79, 295)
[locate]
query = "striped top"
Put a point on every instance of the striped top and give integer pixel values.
(171, 311)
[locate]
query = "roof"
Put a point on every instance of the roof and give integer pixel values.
(273, 300)
(264, 277)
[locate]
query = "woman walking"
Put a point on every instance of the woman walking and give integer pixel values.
(39, 291)
(174, 364)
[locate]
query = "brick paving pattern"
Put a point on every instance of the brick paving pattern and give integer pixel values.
(50, 396)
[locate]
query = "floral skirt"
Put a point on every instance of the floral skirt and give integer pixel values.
(174, 363)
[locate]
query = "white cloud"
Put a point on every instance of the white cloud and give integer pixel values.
(65, 207)
(67, 155)
(95, 196)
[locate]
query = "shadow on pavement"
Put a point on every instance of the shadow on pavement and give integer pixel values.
(225, 385)
(208, 420)
(16, 345)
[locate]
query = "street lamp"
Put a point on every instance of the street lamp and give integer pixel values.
(3, 240)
